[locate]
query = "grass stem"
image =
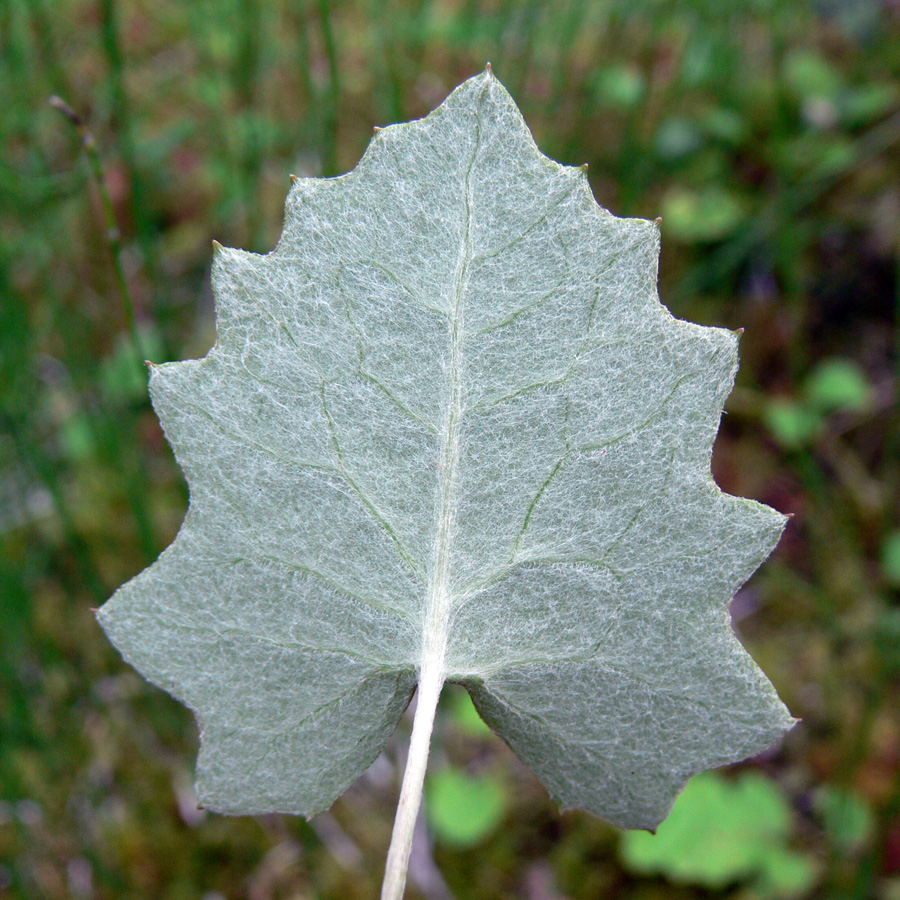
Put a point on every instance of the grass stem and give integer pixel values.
(110, 228)
(122, 115)
(330, 105)
(135, 488)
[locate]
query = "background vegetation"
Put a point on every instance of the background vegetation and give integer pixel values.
(766, 133)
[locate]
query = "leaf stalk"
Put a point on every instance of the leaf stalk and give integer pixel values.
(430, 683)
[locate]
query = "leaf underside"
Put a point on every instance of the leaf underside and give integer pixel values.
(448, 414)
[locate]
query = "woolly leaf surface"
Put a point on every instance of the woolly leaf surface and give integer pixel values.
(448, 415)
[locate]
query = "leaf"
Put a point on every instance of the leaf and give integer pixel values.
(447, 432)
(703, 216)
(793, 424)
(810, 75)
(890, 558)
(722, 832)
(846, 817)
(838, 384)
(464, 810)
(463, 714)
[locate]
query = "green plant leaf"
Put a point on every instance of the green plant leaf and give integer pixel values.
(708, 214)
(722, 832)
(619, 86)
(447, 427)
(846, 817)
(792, 424)
(463, 713)
(890, 558)
(464, 810)
(809, 74)
(838, 384)
(784, 873)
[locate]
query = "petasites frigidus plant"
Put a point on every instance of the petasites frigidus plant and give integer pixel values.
(448, 433)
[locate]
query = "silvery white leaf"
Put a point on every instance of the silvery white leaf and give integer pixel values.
(448, 418)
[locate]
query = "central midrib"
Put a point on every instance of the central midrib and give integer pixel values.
(439, 600)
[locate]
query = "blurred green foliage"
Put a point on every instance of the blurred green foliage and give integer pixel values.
(766, 133)
(464, 809)
(846, 818)
(833, 385)
(721, 833)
